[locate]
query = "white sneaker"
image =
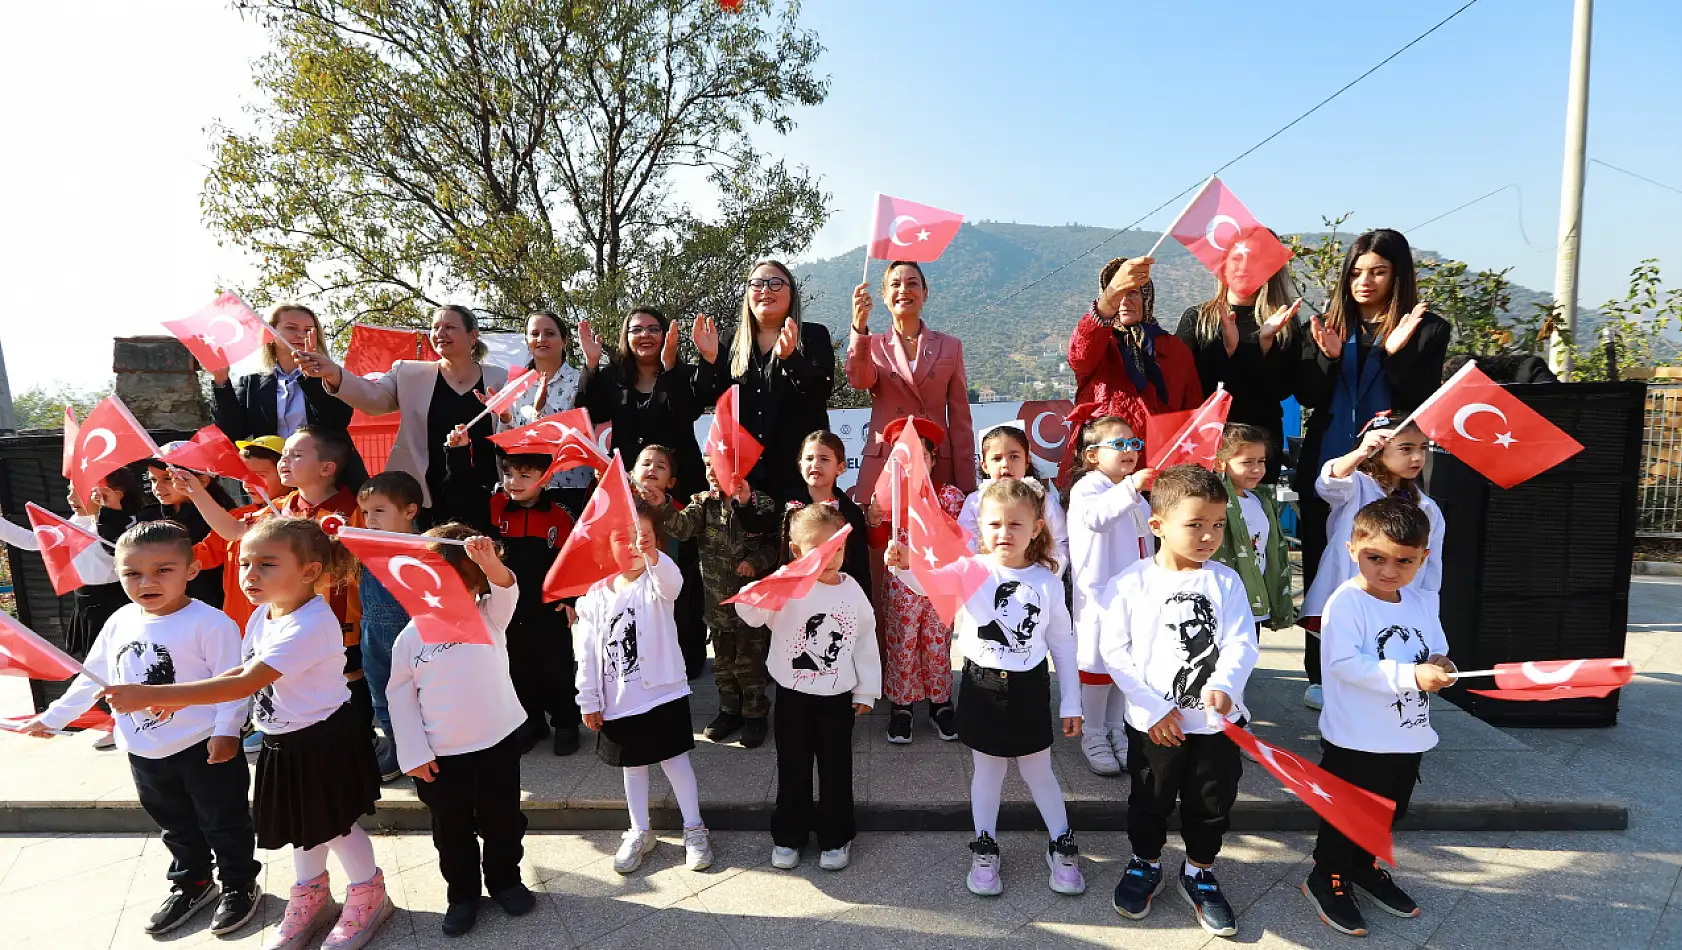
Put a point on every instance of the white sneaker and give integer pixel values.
(785, 859)
(984, 879)
(1118, 745)
(836, 858)
(1313, 697)
(1062, 858)
(697, 848)
(632, 847)
(106, 740)
(1100, 758)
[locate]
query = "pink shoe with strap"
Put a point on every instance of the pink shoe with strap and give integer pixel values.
(366, 907)
(309, 908)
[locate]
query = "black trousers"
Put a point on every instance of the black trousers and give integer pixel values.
(204, 811)
(541, 665)
(475, 797)
(1312, 514)
(690, 611)
(1391, 774)
(362, 701)
(1201, 774)
(813, 728)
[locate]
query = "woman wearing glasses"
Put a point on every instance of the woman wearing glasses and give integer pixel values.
(786, 369)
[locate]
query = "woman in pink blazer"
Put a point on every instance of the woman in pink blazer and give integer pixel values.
(910, 370)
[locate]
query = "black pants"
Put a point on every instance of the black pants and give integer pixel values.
(362, 703)
(541, 665)
(1390, 774)
(809, 728)
(476, 796)
(689, 611)
(204, 811)
(1201, 774)
(1312, 514)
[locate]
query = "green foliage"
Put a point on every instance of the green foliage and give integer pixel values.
(1639, 325)
(1317, 261)
(42, 407)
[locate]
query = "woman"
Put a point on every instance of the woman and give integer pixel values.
(910, 371)
(1377, 349)
(786, 369)
(1124, 363)
(432, 399)
(548, 340)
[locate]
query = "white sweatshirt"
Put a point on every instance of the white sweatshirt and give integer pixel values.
(1109, 528)
(1166, 636)
(197, 642)
(1347, 496)
(95, 564)
(825, 643)
(1368, 649)
(969, 518)
(626, 643)
(454, 698)
(307, 649)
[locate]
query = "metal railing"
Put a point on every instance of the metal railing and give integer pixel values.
(1660, 507)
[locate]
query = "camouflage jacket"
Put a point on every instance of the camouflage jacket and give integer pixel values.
(729, 532)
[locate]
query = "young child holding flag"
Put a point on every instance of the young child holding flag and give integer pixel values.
(458, 724)
(1253, 545)
(1383, 651)
(824, 661)
(389, 501)
(632, 689)
(260, 455)
(1006, 630)
(187, 769)
(653, 476)
(1005, 453)
(173, 505)
(316, 773)
(823, 458)
(1177, 636)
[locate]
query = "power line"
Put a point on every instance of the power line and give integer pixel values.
(1634, 175)
(1519, 209)
(1460, 208)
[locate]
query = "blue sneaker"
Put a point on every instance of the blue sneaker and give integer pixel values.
(1139, 883)
(1204, 895)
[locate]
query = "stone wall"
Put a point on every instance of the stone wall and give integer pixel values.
(159, 382)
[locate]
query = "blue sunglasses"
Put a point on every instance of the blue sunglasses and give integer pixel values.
(1123, 445)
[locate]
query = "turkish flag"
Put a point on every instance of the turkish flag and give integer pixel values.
(1514, 443)
(211, 451)
(1188, 438)
(1363, 817)
(60, 542)
(938, 546)
(510, 391)
(907, 231)
(96, 719)
(70, 430)
(1546, 694)
(1559, 679)
(23, 652)
(109, 439)
(568, 436)
(373, 349)
(1219, 231)
(793, 580)
(223, 333)
(589, 554)
(731, 451)
(443, 609)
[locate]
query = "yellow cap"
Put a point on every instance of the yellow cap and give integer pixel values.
(273, 443)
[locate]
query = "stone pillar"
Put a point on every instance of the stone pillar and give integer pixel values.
(159, 382)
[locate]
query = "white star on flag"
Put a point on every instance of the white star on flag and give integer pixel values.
(433, 600)
(923, 234)
(1188, 446)
(928, 555)
(1241, 249)
(1316, 789)
(1505, 440)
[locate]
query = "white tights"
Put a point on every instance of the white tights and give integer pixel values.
(681, 774)
(989, 783)
(1102, 708)
(354, 849)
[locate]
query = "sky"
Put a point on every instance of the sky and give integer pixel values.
(1053, 112)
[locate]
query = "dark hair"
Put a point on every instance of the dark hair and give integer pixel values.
(1375, 469)
(1394, 518)
(1006, 431)
(666, 450)
(656, 515)
(1091, 433)
(331, 445)
(527, 462)
(1011, 490)
(1344, 313)
(1235, 436)
(126, 480)
(456, 556)
(148, 533)
(550, 315)
(804, 522)
(624, 364)
(262, 452)
(470, 323)
(308, 543)
(911, 264)
(212, 486)
(1180, 482)
(400, 487)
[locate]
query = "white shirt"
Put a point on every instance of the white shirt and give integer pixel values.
(1346, 496)
(197, 642)
(307, 649)
(454, 698)
(825, 643)
(559, 394)
(1368, 649)
(1258, 530)
(626, 643)
(1166, 636)
(94, 565)
(289, 402)
(969, 518)
(1109, 528)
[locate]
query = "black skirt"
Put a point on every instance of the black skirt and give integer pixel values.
(1005, 714)
(313, 784)
(662, 733)
(94, 604)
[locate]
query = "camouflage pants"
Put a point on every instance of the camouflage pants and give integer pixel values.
(739, 653)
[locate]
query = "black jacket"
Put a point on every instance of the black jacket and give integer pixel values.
(245, 409)
(784, 401)
(668, 417)
(856, 562)
(1258, 382)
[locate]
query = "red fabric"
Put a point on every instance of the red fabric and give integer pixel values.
(221, 334)
(109, 439)
(1219, 231)
(938, 548)
(1552, 674)
(568, 436)
(1095, 679)
(1363, 817)
(441, 607)
(916, 644)
(511, 390)
(1101, 378)
(216, 551)
(373, 349)
(1545, 695)
(1188, 438)
(60, 542)
(793, 580)
(211, 451)
(907, 231)
(1515, 443)
(731, 452)
(589, 555)
(23, 652)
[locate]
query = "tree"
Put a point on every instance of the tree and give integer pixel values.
(1638, 325)
(520, 155)
(42, 407)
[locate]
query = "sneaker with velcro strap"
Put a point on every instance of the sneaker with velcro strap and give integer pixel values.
(1139, 883)
(1207, 901)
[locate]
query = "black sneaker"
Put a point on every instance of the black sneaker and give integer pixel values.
(516, 901)
(945, 719)
(531, 734)
(385, 752)
(722, 727)
(1204, 895)
(899, 725)
(753, 732)
(1332, 900)
(566, 740)
(236, 908)
(184, 900)
(1139, 883)
(460, 917)
(1377, 884)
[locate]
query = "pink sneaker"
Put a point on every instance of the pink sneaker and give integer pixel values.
(366, 907)
(309, 908)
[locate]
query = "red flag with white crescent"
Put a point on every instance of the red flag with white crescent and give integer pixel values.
(223, 333)
(731, 451)
(937, 546)
(60, 542)
(1219, 231)
(209, 450)
(108, 439)
(1363, 817)
(1194, 438)
(373, 349)
(510, 391)
(793, 580)
(23, 652)
(1486, 427)
(568, 436)
(907, 231)
(441, 606)
(589, 554)
(1543, 680)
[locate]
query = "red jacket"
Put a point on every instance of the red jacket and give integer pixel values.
(1100, 376)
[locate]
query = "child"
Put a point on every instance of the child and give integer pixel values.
(823, 657)
(215, 551)
(1384, 462)
(458, 731)
(1005, 632)
(531, 522)
(632, 690)
(1253, 545)
(736, 537)
(1384, 650)
(1005, 453)
(653, 476)
(823, 457)
(1109, 528)
(389, 501)
(316, 774)
(1176, 636)
(916, 645)
(114, 508)
(187, 768)
(173, 505)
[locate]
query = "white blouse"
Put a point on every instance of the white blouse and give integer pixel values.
(560, 393)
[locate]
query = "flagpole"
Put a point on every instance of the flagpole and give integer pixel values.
(875, 214)
(266, 499)
(1175, 223)
(417, 540)
(894, 496)
(517, 380)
